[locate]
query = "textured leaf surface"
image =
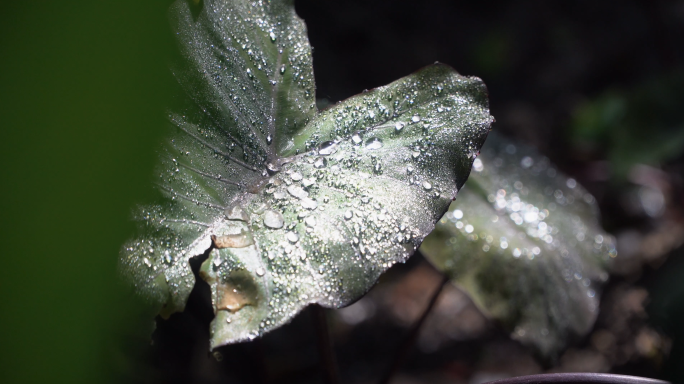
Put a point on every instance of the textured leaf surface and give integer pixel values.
(297, 206)
(524, 241)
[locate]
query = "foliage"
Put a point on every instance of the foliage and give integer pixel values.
(296, 206)
(523, 240)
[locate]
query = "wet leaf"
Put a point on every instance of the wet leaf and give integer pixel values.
(297, 206)
(524, 241)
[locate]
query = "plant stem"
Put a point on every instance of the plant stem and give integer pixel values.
(325, 349)
(410, 339)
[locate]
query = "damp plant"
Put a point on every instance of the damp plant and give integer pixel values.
(297, 206)
(524, 241)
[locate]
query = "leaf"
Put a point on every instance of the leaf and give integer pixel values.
(295, 205)
(524, 241)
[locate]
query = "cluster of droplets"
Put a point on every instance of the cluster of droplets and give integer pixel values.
(551, 213)
(241, 73)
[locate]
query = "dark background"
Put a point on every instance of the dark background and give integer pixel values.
(596, 86)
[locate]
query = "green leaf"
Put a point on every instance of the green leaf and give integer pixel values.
(295, 205)
(524, 241)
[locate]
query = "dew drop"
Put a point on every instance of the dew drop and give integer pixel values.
(297, 191)
(348, 215)
(356, 138)
(273, 36)
(426, 185)
(279, 195)
(398, 127)
(320, 163)
(292, 237)
(373, 143)
(273, 219)
(236, 212)
(296, 176)
(309, 203)
(260, 271)
(326, 148)
(415, 118)
(310, 221)
(269, 139)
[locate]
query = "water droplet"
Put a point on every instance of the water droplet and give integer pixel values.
(409, 169)
(273, 219)
(477, 165)
(279, 195)
(348, 215)
(296, 176)
(297, 191)
(260, 271)
(356, 138)
(426, 185)
(415, 118)
(307, 183)
(282, 69)
(236, 212)
(326, 148)
(292, 237)
(272, 168)
(273, 36)
(398, 127)
(269, 139)
(309, 203)
(320, 163)
(310, 221)
(373, 143)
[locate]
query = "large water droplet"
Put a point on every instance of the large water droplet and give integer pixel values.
(309, 203)
(356, 138)
(348, 215)
(292, 237)
(373, 143)
(273, 219)
(327, 148)
(426, 185)
(398, 127)
(236, 212)
(296, 176)
(260, 271)
(279, 195)
(310, 221)
(297, 191)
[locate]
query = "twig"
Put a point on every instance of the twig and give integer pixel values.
(410, 339)
(325, 348)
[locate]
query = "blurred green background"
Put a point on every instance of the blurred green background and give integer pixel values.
(83, 87)
(596, 86)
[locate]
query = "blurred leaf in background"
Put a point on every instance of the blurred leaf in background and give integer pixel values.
(637, 125)
(524, 241)
(83, 85)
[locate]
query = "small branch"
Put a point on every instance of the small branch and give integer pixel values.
(410, 339)
(325, 349)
